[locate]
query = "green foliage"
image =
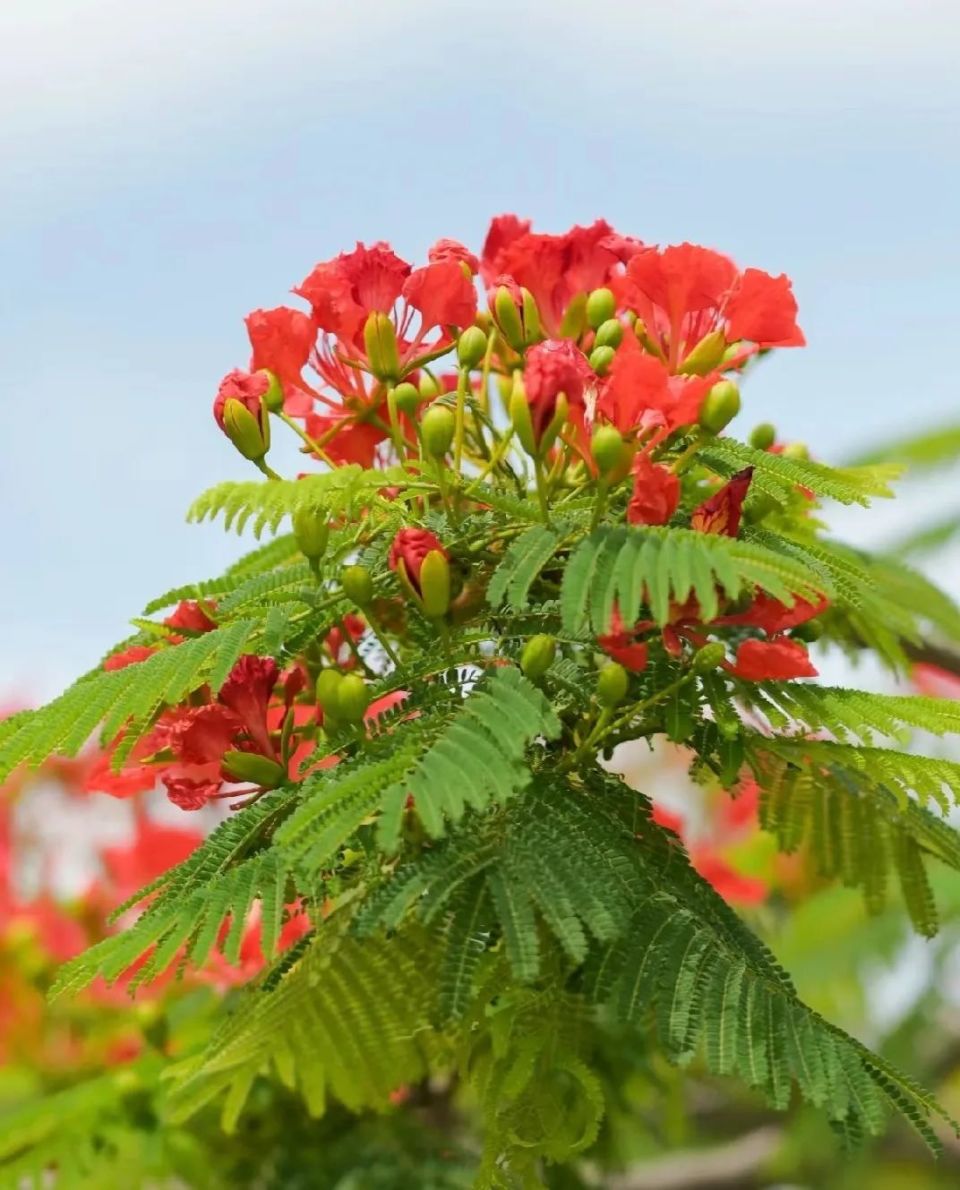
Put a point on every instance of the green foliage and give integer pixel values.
(339, 492)
(348, 1020)
(627, 568)
(779, 475)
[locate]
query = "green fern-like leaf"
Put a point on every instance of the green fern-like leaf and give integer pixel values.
(628, 567)
(522, 563)
(778, 474)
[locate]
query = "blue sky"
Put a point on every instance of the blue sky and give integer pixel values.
(168, 167)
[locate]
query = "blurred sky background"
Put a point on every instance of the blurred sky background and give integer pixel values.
(167, 167)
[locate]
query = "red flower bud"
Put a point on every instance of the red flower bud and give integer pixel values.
(239, 411)
(722, 512)
(423, 565)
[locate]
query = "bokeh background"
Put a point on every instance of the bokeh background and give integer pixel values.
(168, 167)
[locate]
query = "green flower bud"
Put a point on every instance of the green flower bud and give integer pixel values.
(520, 417)
(435, 585)
(532, 329)
(311, 528)
(429, 387)
(796, 450)
(709, 657)
(352, 699)
(763, 436)
(357, 585)
(437, 429)
(809, 632)
(248, 433)
(706, 356)
(608, 448)
(612, 683)
(273, 397)
(609, 333)
(601, 306)
(250, 766)
(601, 358)
(407, 397)
(574, 319)
(720, 406)
(471, 347)
(380, 341)
(328, 684)
(508, 318)
(537, 656)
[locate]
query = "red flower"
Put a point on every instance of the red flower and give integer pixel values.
(935, 682)
(131, 656)
(656, 493)
(762, 309)
(771, 660)
(190, 616)
(684, 292)
(775, 617)
(552, 368)
(190, 792)
(443, 294)
(555, 268)
(623, 646)
(411, 546)
(247, 692)
(639, 391)
(282, 341)
(343, 291)
(132, 778)
(503, 230)
(349, 438)
(728, 882)
(454, 250)
(722, 511)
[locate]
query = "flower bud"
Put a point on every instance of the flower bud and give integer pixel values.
(601, 306)
(537, 656)
(705, 356)
(435, 585)
(810, 631)
(352, 699)
(520, 416)
(380, 341)
(407, 397)
(609, 333)
(763, 436)
(574, 319)
(273, 397)
(422, 565)
(429, 388)
(248, 433)
(709, 657)
(601, 358)
(328, 684)
(471, 347)
(508, 317)
(720, 406)
(608, 449)
(312, 531)
(357, 585)
(612, 683)
(437, 429)
(796, 450)
(251, 766)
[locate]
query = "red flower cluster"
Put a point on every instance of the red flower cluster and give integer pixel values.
(672, 321)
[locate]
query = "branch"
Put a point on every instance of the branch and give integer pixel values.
(927, 653)
(732, 1166)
